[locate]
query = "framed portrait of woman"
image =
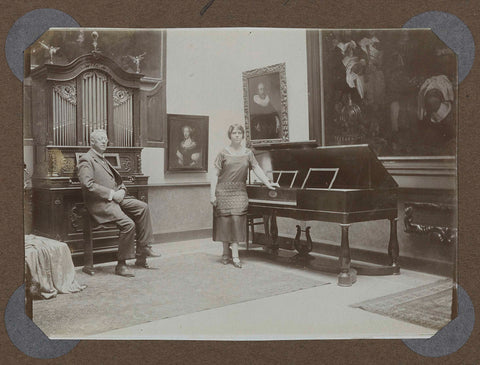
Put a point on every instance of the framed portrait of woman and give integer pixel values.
(265, 104)
(187, 146)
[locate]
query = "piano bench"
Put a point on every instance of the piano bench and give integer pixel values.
(87, 242)
(251, 223)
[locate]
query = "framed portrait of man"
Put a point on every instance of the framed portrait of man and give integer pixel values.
(187, 143)
(265, 104)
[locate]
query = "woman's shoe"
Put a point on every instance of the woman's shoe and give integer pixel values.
(225, 260)
(237, 264)
(142, 262)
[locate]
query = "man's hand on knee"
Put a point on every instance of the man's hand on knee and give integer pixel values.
(118, 196)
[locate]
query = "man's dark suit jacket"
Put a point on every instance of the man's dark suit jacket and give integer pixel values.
(98, 177)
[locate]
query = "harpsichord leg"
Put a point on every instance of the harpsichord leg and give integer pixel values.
(274, 233)
(268, 237)
(271, 233)
(296, 241)
(309, 240)
(345, 277)
(393, 250)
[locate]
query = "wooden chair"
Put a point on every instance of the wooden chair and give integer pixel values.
(251, 218)
(88, 226)
(251, 223)
(87, 240)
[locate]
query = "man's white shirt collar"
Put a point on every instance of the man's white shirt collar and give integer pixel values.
(98, 153)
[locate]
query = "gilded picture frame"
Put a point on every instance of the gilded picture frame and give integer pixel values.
(266, 105)
(187, 149)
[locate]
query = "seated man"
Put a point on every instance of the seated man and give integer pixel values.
(106, 202)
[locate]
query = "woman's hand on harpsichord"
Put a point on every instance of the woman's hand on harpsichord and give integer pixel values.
(272, 185)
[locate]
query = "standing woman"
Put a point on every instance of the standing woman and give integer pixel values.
(229, 192)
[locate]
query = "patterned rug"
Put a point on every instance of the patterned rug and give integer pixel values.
(177, 285)
(428, 305)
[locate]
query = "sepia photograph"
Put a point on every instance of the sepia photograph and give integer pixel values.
(240, 183)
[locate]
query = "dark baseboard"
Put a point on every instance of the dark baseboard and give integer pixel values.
(425, 265)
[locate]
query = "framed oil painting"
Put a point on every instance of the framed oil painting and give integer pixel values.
(265, 104)
(394, 90)
(187, 149)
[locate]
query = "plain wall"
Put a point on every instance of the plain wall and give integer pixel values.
(204, 77)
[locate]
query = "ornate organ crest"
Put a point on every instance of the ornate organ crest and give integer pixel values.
(120, 95)
(67, 91)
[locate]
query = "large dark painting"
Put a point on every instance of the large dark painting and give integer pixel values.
(393, 89)
(131, 49)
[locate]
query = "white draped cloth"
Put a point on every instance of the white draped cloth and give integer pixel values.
(51, 266)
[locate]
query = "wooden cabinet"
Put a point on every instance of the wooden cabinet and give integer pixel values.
(57, 215)
(57, 196)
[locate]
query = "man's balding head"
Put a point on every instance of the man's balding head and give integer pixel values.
(99, 140)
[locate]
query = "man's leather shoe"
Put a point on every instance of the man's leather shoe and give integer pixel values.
(142, 262)
(148, 252)
(123, 270)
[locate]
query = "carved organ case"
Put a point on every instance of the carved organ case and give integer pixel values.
(68, 102)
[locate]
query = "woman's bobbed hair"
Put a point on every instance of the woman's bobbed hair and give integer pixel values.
(233, 127)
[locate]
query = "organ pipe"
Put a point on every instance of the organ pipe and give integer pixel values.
(94, 111)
